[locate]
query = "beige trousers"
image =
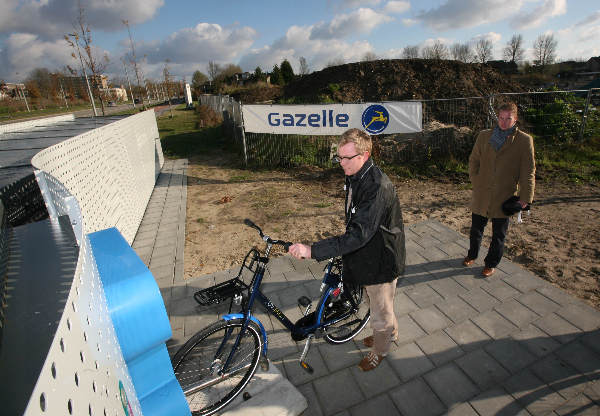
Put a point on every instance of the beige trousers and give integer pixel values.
(383, 320)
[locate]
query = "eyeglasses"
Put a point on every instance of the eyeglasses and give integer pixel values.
(338, 159)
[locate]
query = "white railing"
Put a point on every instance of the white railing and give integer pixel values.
(102, 178)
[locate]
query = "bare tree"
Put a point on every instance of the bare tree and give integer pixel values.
(483, 50)
(462, 52)
(369, 56)
(133, 61)
(513, 51)
(167, 76)
(410, 52)
(213, 69)
(82, 39)
(303, 66)
(544, 50)
(436, 51)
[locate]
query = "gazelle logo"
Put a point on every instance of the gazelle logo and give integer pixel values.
(375, 118)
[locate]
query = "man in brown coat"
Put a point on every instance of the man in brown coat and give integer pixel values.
(502, 164)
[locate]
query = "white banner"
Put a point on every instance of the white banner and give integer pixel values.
(334, 119)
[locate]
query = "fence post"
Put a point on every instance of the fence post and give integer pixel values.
(243, 136)
(585, 114)
(492, 117)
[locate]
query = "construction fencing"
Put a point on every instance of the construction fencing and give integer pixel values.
(449, 128)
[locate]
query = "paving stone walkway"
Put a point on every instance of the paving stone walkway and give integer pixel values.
(511, 344)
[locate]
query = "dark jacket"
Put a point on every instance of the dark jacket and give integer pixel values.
(372, 248)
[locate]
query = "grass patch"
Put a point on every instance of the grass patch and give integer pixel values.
(180, 136)
(7, 114)
(443, 168)
(240, 178)
(322, 205)
(200, 220)
(570, 162)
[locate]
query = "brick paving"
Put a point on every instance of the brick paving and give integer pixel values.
(506, 345)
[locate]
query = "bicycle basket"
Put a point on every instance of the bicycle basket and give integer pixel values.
(233, 287)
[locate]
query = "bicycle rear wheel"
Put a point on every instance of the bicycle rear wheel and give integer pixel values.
(198, 363)
(354, 309)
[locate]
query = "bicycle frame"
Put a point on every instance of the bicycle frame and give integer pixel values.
(330, 283)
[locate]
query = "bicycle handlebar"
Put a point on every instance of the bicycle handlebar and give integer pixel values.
(286, 244)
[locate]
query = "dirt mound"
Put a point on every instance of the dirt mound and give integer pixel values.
(258, 93)
(400, 79)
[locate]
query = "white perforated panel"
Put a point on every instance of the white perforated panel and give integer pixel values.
(110, 170)
(100, 179)
(85, 366)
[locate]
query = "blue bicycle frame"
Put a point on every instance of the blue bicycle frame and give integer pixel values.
(330, 282)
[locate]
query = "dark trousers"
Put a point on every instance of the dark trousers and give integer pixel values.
(499, 228)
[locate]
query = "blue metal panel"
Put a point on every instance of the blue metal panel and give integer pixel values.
(141, 323)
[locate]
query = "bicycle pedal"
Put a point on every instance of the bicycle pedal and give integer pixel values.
(304, 301)
(306, 367)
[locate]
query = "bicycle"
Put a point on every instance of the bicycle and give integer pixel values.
(220, 360)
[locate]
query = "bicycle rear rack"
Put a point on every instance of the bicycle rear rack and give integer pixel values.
(231, 288)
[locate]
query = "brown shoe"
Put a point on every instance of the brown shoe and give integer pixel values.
(370, 341)
(488, 271)
(370, 362)
(468, 262)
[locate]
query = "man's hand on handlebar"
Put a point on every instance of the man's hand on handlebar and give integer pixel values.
(300, 251)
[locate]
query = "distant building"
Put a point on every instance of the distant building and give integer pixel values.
(101, 81)
(12, 90)
(242, 77)
(116, 94)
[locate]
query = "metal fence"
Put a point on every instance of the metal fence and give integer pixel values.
(449, 128)
(231, 111)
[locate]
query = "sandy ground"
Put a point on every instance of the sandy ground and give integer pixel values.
(559, 241)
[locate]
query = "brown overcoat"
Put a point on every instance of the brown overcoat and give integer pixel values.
(498, 175)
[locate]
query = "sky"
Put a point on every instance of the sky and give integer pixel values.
(189, 34)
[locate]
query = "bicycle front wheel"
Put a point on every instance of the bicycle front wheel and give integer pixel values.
(353, 309)
(199, 365)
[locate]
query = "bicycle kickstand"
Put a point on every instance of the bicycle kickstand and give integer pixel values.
(306, 366)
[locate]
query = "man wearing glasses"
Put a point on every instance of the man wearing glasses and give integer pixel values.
(372, 247)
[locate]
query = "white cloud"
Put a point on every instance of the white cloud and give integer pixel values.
(391, 54)
(491, 36)
(592, 18)
(50, 19)
(589, 34)
(431, 41)
(454, 14)
(409, 22)
(396, 7)
(297, 43)
(546, 10)
(343, 25)
(204, 42)
(23, 52)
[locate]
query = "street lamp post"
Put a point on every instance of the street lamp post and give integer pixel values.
(127, 76)
(74, 35)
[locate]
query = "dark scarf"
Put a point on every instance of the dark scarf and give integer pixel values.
(499, 136)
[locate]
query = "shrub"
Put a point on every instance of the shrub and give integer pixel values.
(207, 117)
(556, 121)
